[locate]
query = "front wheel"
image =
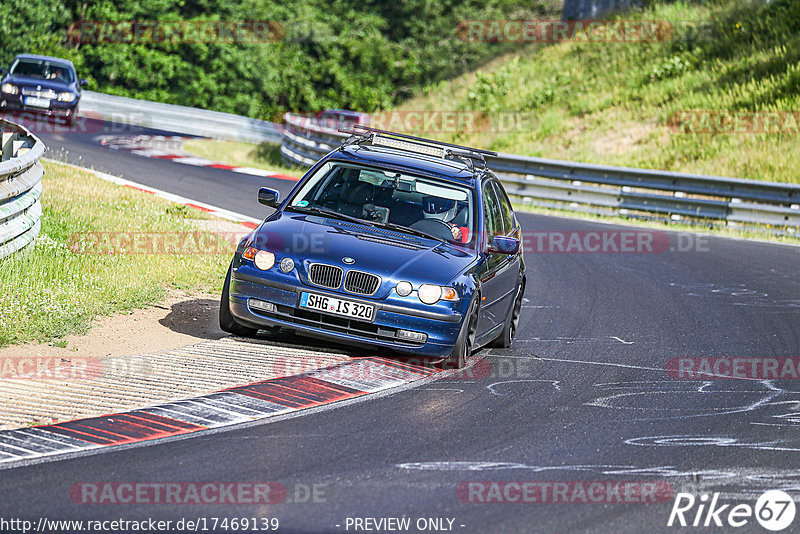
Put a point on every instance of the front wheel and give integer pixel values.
(466, 339)
(509, 330)
(226, 319)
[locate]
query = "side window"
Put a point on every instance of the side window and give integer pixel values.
(509, 223)
(491, 210)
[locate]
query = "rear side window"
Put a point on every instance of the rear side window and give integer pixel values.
(492, 212)
(507, 214)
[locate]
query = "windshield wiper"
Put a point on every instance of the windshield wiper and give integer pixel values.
(407, 230)
(330, 213)
(379, 224)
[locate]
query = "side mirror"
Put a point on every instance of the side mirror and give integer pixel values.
(2, 71)
(83, 82)
(268, 197)
(504, 245)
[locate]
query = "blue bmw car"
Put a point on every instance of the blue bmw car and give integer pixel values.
(390, 241)
(43, 85)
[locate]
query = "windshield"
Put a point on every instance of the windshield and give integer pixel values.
(43, 70)
(426, 206)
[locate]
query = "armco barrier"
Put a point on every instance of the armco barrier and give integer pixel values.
(20, 187)
(178, 119)
(599, 188)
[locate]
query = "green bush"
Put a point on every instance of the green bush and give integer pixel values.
(671, 67)
(489, 90)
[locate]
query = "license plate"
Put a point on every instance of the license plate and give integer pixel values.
(346, 308)
(37, 102)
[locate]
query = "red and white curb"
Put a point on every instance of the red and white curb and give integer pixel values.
(240, 404)
(249, 222)
(168, 148)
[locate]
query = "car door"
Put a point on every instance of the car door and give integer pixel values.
(511, 228)
(498, 275)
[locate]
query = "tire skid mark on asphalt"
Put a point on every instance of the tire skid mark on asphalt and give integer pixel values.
(759, 398)
(768, 394)
(239, 404)
(491, 387)
(577, 340)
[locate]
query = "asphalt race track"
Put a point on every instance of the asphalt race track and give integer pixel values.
(584, 395)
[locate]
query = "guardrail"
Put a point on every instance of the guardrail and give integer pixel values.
(599, 188)
(178, 119)
(20, 187)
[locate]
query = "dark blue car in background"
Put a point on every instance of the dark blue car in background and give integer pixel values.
(390, 241)
(42, 85)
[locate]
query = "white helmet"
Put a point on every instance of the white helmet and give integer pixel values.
(440, 208)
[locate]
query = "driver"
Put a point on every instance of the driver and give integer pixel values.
(57, 74)
(442, 209)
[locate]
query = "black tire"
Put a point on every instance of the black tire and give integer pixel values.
(226, 319)
(509, 330)
(466, 338)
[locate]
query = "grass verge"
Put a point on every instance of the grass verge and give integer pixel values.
(59, 284)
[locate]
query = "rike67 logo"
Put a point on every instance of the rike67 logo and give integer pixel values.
(774, 510)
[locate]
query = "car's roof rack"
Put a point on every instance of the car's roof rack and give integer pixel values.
(360, 135)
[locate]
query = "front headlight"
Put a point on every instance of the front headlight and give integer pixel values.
(9, 89)
(263, 259)
(431, 294)
(66, 96)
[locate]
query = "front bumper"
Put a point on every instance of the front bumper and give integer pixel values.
(442, 329)
(9, 102)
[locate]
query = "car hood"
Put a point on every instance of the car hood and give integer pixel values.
(392, 255)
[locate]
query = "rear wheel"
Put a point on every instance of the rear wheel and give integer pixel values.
(509, 330)
(466, 339)
(226, 319)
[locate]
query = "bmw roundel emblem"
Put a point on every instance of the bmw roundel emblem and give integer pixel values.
(348, 260)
